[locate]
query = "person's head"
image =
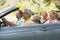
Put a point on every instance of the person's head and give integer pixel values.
(44, 14)
(19, 14)
(36, 18)
(52, 15)
(27, 13)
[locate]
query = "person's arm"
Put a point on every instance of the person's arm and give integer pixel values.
(8, 22)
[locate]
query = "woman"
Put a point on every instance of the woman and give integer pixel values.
(36, 19)
(52, 17)
(44, 17)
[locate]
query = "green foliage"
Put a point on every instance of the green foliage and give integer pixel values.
(47, 0)
(36, 7)
(2, 2)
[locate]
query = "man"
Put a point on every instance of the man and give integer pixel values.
(27, 15)
(19, 21)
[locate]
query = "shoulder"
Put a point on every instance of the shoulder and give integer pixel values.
(46, 22)
(55, 20)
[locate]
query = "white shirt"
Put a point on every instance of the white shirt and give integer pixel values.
(50, 22)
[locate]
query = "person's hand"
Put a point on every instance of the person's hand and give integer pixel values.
(3, 19)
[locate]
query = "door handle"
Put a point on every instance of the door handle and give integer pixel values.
(45, 29)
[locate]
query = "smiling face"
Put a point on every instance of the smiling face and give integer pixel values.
(27, 13)
(19, 14)
(44, 14)
(52, 15)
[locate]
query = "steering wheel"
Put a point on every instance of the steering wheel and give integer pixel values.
(3, 23)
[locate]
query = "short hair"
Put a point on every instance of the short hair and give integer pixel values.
(28, 11)
(20, 12)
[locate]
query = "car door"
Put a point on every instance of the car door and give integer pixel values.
(35, 32)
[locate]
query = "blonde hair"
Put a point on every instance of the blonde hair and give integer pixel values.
(54, 13)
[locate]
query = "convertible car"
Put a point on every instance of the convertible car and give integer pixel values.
(30, 32)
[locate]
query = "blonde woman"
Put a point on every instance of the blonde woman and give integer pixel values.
(44, 17)
(52, 17)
